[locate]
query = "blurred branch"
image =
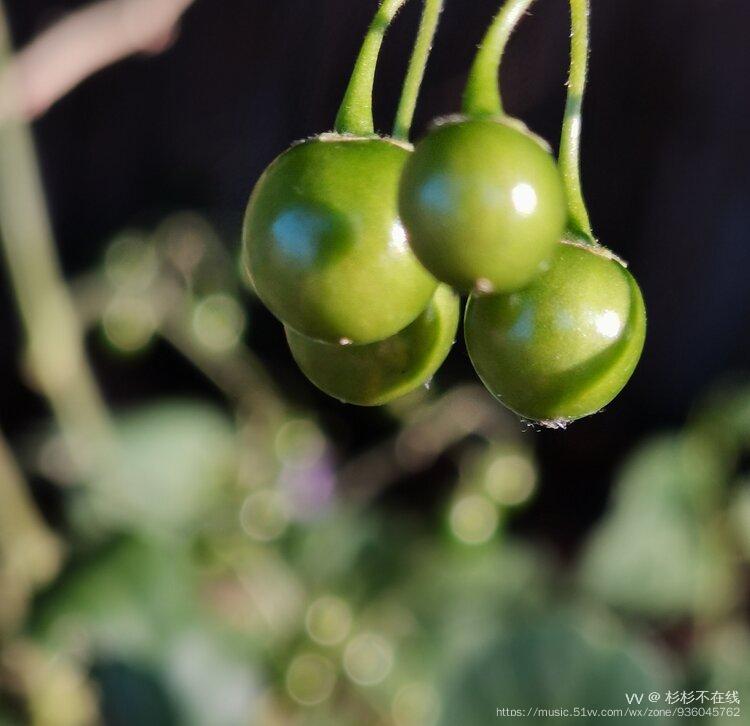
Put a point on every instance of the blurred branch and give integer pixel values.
(461, 412)
(56, 356)
(79, 45)
(54, 687)
(237, 373)
(30, 554)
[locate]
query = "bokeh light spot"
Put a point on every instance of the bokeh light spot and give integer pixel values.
(310, 679)
(130, 262)
(264, 515)
(416, 704)
(129, 323)
(510, 479)
(218, 322)
(368, 659)
(328, 620)
(299, 442)
(473, 519)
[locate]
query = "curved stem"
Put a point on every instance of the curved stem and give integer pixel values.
(570, 142)
(417, 65)
(355, 114)
(482, 94)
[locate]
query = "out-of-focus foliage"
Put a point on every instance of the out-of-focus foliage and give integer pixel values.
(660, 550)
(227, 566)
(520, 668)
(173, 468)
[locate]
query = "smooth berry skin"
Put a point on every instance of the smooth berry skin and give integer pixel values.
(375, 374)
(483, 203)
(566, 345)
(324, 244)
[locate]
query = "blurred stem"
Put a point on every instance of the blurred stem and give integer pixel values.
(570, 142)
(237, 373)
(417, 66)
(482, 95)
(55, 341)
(30, 553)
(355, 115)
(437, 426)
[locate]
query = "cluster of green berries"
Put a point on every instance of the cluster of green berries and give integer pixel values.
(361, 246)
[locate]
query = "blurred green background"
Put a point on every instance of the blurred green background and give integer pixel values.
(226, 566)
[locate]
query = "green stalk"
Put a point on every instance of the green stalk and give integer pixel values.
(570, 142)
(482, 94)
(55, 350)
(417, 66)
(355, 115)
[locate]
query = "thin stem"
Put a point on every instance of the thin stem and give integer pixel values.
(55, 341)
(355, 114)
(417, 66)
(482, 94)
(570, 142)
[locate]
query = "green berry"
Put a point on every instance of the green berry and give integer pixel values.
(374, 374)
(324, 245)
(483, 203)
(566, 345)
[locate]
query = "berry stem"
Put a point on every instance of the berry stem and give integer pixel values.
(482, 94)
(355, 115)
(417, 65)
(570, 142)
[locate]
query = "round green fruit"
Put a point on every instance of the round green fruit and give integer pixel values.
(566, 345)
(325, 248)
(374, 374)
(483, 204)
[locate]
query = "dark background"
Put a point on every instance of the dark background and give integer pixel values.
(666, 171)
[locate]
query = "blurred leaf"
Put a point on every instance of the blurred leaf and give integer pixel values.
(723, 417)
(345, 550)
(214, 684)
(176, 462)
(127, 602)
(461, 595)
(558, 661)
(7, 720)
(658, 550)
(133, 695)
(739, 516)
(136, 611)
(724, 657)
